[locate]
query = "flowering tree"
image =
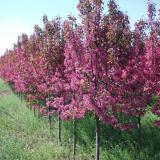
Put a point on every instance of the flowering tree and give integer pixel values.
(97, 66)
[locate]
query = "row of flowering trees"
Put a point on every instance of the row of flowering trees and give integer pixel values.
(99, 66)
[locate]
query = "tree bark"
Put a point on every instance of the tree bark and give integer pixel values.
(59, 130)
(49, 119)
(97, 138)
(138, 132)
(74, 139)
(34, 111)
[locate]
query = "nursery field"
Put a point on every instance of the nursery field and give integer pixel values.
(83, 88)
(24, 136)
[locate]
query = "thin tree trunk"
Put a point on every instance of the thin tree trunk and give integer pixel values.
(34, 111)
(97, 138)
(49, 120)
(59, 130)
(49, 116)
(74, 139)
(21, 97)
(138, 132)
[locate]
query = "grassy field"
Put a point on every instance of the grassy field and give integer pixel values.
(24, 136)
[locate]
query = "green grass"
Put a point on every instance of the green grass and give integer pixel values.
(24, 136)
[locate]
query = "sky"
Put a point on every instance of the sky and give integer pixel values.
(20, 16)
